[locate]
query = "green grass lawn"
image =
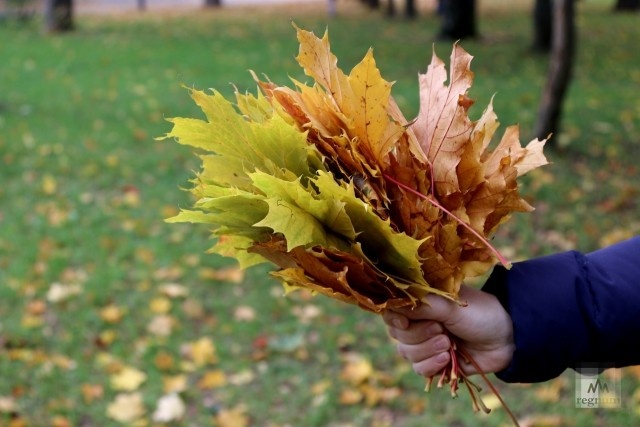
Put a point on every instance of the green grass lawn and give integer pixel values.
(105, 309)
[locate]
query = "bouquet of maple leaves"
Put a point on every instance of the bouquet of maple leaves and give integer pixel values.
(348, 198)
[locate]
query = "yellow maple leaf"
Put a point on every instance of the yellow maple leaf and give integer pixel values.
(128, 379)
(235, 417)
(126, 407)
(203, 351)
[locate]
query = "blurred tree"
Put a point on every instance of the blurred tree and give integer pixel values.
(58, 15)
(373, 4)
(212, 3)
(458, 19)
(542, 25)
(627, 5)
(560, 67)
(410, 9)
(142, 5)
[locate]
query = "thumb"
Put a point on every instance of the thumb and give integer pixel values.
(433, 307)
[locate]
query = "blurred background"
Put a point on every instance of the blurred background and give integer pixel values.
(109, 316)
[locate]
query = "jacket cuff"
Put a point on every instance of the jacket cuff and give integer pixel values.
(550, 330)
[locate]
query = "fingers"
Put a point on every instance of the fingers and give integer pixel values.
(428, 357)
(421, 342)
(431, 366)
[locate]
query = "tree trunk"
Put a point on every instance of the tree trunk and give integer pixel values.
(627, 5)
(58, 16)
(212, 3)
(560, 66)
(458, 19)
(373, 4)
(391, 8)
(410, 9)
(542, 25)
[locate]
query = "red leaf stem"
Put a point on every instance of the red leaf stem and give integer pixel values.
(434, 202)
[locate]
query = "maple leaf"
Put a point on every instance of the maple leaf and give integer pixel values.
(126, 408)
(169, 408)
(128, 379)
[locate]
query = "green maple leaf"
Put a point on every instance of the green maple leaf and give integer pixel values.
(380, 242)
(304, 217)
(242, 146)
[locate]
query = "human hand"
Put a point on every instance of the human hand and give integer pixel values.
(482, 328)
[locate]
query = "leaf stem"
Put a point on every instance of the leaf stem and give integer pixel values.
(434, 202)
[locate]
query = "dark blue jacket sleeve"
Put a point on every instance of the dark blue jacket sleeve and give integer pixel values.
(570, 309)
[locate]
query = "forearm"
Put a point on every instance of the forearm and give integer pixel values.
(569, 309)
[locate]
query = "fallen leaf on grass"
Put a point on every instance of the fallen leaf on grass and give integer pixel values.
(551, 391)
(92, 392)
(374, 395)
(242, 378)
(112, 314)
(160, 305)
(192, 309)
(126, 407)
(546, 421)
(128, 379)
(175, 384)
(164, 361)
(36, 307)
(170, 408)
(231, 274)
(60, 421)
(244, 313)
(161, 325)
(201, 352)
(7, 405)
(357, 369)
(235, 417)
(58, 292)
(307, 313)
(350, 396)
(174, 290)
(212, 379)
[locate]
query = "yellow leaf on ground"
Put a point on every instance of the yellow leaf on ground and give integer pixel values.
(7, 405)
(175, 384)
(160, 305)
(235, 417)
(546, 421)
(161, 325)
(49, 185)
(164, 361)
(551, 391)
(170, 408)
(92, 392)
(244, 313)
(58, 292)
(231, 274)
(128, 379)
(126, 407)
(350, 396)
(203, 352)
(60, 421)
(357, 369)
(212, 379)
(174, 290)
(112, 313)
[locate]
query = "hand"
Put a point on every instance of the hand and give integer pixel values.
(483, 328)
